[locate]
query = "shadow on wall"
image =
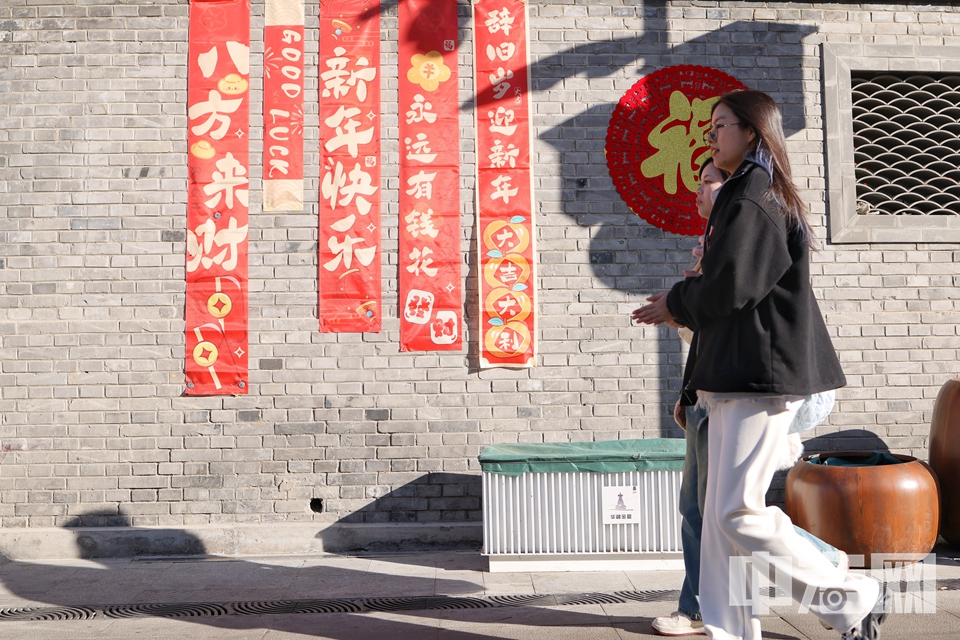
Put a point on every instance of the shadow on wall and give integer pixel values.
(451, 499)
(310, 597)
(763, 55)
(626, 253)
(110, 535)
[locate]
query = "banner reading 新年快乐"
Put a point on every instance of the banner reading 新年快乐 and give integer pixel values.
(349, 235)
(283, 105)
(218, 114)
(430, 303)
(505, 224)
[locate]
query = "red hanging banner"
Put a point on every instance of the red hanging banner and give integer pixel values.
(349, 237)
(218, 121)
(283, 106)
(430, 304)
(505, 227)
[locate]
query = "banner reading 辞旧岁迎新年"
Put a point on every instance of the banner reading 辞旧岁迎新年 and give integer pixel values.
(505, 226)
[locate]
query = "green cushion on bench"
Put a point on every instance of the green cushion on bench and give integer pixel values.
(613, 456)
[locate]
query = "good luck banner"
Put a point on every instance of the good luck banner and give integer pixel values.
(283, 106)
(218, 114)
(349, 237)
(504, 185)
(430, 305)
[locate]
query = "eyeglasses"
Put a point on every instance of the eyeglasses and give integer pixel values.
(710, 135)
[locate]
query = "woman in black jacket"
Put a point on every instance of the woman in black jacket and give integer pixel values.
(761, 348)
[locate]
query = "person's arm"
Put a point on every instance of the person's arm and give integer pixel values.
(743, 264)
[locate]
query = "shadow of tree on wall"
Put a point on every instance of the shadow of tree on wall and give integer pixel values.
(434, 498)
(310, 597)
(619, 239)
(763, 55)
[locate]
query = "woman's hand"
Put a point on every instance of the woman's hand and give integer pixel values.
(680, 415)
(656, 312)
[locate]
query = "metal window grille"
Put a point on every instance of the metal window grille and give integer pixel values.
(906, 143)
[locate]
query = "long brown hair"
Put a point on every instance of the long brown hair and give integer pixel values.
(758, 110)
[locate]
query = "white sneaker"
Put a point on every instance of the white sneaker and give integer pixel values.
(843, 562)
(677, 624)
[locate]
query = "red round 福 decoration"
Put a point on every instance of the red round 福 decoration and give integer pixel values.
(658, 183)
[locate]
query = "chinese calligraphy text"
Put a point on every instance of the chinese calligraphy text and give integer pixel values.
(506, 232)
(431, 308)
(349, 239)
(218, 114)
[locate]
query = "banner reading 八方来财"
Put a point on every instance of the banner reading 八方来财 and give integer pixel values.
(430, 300)
(504, 185)
(218, 115)
(349, 236)
(283, 105)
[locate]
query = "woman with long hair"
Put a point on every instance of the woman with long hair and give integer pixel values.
(762, 348)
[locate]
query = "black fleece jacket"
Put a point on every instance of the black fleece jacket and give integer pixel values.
(758, 327)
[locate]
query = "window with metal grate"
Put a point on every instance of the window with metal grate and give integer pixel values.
(906, 142)
(892, 141)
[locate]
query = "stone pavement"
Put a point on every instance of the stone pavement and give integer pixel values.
(438, 595)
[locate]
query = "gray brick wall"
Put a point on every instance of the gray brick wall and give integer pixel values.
(92, 212)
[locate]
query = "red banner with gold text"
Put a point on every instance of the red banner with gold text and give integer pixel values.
(430, 299)
(218, 121)
(349, 236)
(505, 226)
(283, 105)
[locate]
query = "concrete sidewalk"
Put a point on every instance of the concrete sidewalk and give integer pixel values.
(445, 595)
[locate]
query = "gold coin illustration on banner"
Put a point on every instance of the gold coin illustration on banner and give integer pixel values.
(507, 271)
(205, 354)
(507, 305)
(219, 305)
(507, 341)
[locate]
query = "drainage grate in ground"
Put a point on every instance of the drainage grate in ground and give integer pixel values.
(648, 596)
(359, 605)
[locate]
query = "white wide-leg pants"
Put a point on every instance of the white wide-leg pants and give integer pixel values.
(745, 438)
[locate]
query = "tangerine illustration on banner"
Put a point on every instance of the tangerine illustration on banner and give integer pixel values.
(349, 214)
(283, 105)
(430, 296)
(505, 226)
(655, 145)
(218, 121)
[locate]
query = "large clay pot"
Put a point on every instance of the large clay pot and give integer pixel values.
(945, 457)
(893, 508)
